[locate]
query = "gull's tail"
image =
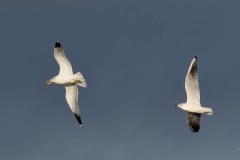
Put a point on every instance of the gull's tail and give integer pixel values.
(80, 80)
(208, 111)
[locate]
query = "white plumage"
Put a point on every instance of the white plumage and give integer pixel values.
(64, 64)
(69, 80)
(192, 84)
(193, 105)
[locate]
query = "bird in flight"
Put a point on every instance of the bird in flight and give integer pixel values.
(69, 80)
(193, 106)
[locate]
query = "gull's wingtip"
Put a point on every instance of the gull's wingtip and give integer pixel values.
(58, 44)
(78, 119)
(195, 57)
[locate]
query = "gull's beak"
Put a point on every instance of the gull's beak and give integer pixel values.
(49, 82)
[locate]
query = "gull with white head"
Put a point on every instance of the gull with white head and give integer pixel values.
(193, 106)
(69, 80)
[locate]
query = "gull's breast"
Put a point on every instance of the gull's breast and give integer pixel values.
(64, 79)
(192, 108)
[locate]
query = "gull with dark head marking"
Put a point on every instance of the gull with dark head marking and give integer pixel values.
(69, 80)
(193, 106)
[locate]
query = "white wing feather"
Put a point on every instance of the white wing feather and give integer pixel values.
(64, 64)
(72, 98)
(192, 84)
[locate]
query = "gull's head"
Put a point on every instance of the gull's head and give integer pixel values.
(49, 82)
(179, 105)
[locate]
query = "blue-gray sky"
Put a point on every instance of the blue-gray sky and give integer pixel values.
(134, 56)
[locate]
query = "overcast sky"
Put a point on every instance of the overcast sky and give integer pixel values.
(134, 56)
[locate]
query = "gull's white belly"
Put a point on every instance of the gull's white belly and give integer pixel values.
(192, 108)
(64, 79)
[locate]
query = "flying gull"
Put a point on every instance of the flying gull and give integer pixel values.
(69, 80)
(193, 106)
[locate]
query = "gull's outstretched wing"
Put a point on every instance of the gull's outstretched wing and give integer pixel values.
(193, 120)
(64, 64)
(191, 83)
(72, 100)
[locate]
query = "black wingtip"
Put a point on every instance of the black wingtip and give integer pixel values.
(195, 129)
(58, 45)
(79, 119)
(195, 57)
